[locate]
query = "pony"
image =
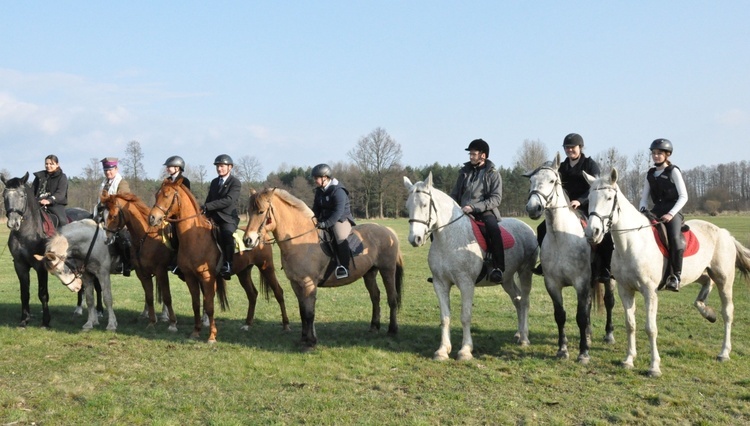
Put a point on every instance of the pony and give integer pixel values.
(198, 255)
(27, 239)
(151, 258)
(306, 265)
(77, 255)
(455, 257)
(638, 264)
(566, 257)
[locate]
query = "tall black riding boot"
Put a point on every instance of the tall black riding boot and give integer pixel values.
(675, 260)
(498, 260)
(227, 248)
(344, 256)
(123, 247)
(604, 251)
(541, 231)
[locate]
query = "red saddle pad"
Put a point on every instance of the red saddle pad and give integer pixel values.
(508, 240)
(692, 245)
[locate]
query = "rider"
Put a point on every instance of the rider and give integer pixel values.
(175, 167)
(577, 188)
(114, 184)
(51, 189)
(666, 187)
(333, 213)
(479, 191)
(221, 207)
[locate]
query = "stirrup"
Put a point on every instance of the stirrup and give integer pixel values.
(673, 283)
(341, 272)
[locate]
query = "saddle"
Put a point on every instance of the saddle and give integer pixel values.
(692, 245)
(327, 241)
(48, 223)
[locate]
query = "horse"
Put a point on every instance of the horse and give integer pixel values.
(27, 238)
(306, 264)
(149, 253)
(639, 265)
(566, 257)
(455, 257)
(77, 255)
(151, 258)
(198, 255)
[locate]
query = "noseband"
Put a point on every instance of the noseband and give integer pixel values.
(175, 197)
(428, 227)
(548, 197)
(120, 222)
(24, 203)
(609, 218)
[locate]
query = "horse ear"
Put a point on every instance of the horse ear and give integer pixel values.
(253, 191)
(590, 179)
(2, 178)
(50, 256)
(25, 178)
(557, 160)
(38, 257)
(613, 176)
(407, 183)
(428, 181)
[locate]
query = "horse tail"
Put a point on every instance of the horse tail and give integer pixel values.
(598, 296)
(743, 259)
(399, 278)
(221, 292)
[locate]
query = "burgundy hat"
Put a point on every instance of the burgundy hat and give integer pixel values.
(109, 163)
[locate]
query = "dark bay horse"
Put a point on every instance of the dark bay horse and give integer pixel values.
(198, 255)
(151, 258)
(27, 238)
(305, 263)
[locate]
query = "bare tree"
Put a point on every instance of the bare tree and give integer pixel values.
(376, 155)
(635, 178)
(132, 166)
(531, 155)
(248, 169)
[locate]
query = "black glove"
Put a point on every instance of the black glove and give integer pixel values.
(643, 210)
(203, 210)
(321, 225)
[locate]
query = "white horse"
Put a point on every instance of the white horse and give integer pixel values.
(456, 258)
(566, 257)
(639, 265)
(76, 255)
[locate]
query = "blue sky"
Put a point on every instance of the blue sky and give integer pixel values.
(298, 83)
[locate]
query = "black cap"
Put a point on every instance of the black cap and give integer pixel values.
(479, 145)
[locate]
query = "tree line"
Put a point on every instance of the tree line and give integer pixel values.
(374, 174)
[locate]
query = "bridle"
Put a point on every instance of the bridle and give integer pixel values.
(428, 227)
(610, 217)
(12, 209)
(77, 271)
(120, 222)
(175, 198)
(546, 197)
(267, 220)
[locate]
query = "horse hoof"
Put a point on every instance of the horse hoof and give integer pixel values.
(440, 356)
(584, 359)
(285, 328)
(722, 358)
(172, 328)
(609, 339)
(654, 373)
(245, 328)
(464, 356)
(562, 355)
(524, 343)
(627, 365)
(307, 349)
(710, 315)
(211, 341)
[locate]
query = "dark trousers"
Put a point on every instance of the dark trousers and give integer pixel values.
(496, 239)
(226, 240)
(676, 243)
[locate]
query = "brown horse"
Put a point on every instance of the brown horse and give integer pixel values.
(198, 255)
(152, 256)
(307, 265)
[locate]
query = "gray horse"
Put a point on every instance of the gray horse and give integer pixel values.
(78, 255)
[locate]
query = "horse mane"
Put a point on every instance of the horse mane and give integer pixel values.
(142, 208)
(284, 196)
(58, 244)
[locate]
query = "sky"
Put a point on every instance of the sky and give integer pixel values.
(297, 83)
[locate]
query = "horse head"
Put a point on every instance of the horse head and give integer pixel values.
(604, 209)
(167, 204)
(260, 221)
(543, 191)
(16, 196)
(114, 218)
(420, 205)
(56, 262)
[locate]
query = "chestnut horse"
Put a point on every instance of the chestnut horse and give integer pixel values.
(198, 255)
(151, 258)
(305, 263)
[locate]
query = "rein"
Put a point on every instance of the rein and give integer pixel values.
(267, 219)
(610, 217)
(429, 215)
(175, 197)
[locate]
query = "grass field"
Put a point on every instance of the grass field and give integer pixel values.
(141, 375)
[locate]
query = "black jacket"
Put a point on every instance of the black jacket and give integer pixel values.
(332, 205)
(53, 187)
(574, 183)
(221, 202)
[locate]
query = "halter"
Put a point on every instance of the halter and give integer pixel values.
(428, 227)
(548, 197)
(70, 266)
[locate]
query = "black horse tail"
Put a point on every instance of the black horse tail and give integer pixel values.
(399, 278)
(221, 292)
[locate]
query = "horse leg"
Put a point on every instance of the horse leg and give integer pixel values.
(193, 287)
(727, 313)
(442, 290)
(98, 292)
(162, 286)
(148, 290)
(609, 304)
(22, 271)
(93, 318)
(306, 296)
(467, 344)
(651, 305)
(521, 302)
(555, 293)
(43, 291)
(391, 289)
(106, 287)
(246, 281)
(79, 306)
(268, 278)
(706, 311)
(208, 305)
(583, 319)
(372, 287)
(627, 297)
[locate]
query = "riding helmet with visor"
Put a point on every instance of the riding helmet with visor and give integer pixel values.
(479, 145)
(321, 170)
(661, 144)
(175, 161)
(223, 159)
(573, 139)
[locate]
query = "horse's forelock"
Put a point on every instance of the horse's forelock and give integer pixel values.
(58, 244)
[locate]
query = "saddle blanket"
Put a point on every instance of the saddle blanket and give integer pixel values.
(692, 245)
(508, 240)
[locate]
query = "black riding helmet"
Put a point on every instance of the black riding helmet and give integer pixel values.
(175, 161)
(321, 170)
(662, 144)
(573, 139)
(224, 159)
(479, 145)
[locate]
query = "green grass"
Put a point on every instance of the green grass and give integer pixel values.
(151, 376)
